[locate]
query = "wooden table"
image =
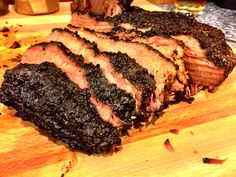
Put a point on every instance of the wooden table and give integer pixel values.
(207, 129)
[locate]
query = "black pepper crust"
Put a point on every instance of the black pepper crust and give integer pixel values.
(134, 73)
(45, 96)
(121, 102)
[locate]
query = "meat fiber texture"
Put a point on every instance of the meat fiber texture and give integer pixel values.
(44, 95)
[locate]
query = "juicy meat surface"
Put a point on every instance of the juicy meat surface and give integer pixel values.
(44, 95)
(113, 104)
(118, 68)
(102, 7)
(161, 68)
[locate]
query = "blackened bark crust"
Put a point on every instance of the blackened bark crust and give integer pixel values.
(45, 96)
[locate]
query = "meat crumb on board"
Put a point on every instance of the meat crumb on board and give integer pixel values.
(168, 146)
(213, 161)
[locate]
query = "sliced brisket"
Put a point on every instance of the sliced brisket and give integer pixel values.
(118, 68)
(161, 68)
(205, 48)
(112, 103)
(44, 95)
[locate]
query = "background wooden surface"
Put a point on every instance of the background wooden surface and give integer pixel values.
(207, 129)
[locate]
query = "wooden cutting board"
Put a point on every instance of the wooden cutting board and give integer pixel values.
(207, 129)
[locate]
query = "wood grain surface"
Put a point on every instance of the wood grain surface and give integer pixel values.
(207, 129)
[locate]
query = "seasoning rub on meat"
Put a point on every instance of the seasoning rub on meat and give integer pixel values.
(114, 66)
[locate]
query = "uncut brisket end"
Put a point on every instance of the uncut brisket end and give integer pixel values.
(163, 70)
(118, 68)
(120, 103)
(44, 95)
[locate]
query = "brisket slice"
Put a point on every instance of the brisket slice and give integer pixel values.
(163, 70)
(204, 44)
(44, 95)
(118, 68)
(102, 7)
(86, 76)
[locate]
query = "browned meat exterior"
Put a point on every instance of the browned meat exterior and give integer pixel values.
(208, 58)
(113, 104)
(118, 68)
(161, 68)
(44, 95)
(102, 7)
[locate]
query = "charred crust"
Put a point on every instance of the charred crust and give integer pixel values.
(45, 96)
(121, 102)
(136, 74)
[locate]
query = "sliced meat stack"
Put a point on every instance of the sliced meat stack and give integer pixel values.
(163, 70)
(118, 68)
(207, 57)
(113, 66)
(44, 95)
